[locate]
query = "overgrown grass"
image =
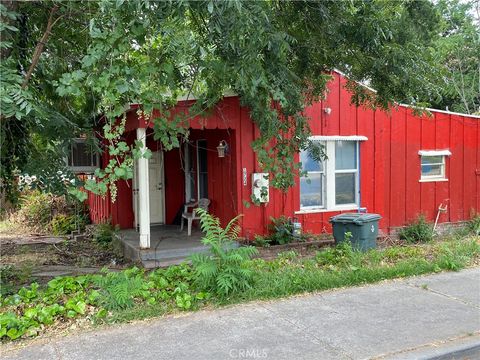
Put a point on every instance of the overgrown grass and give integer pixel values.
(341, 266)
(473, 224)
(135, 294)
(44, 213)
(10, 228)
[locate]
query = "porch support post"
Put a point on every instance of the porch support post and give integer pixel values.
(143, 195)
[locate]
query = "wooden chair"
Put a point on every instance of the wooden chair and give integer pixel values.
(190, 216)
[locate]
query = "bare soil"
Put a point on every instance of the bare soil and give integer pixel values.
(24, 259)
(303, 249)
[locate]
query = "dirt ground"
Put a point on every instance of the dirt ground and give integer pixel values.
(27, 258)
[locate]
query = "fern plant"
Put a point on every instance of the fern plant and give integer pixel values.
(225, 270)
(118, 290)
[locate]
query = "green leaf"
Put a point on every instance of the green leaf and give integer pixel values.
(147, 154)
(102, 313)
(14, 333)
(120, 172)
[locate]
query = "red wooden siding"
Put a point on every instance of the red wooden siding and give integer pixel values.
(442, 141)
(221, 173)
(99, 208)
(389, 165)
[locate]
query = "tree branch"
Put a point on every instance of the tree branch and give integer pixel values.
(40, 45)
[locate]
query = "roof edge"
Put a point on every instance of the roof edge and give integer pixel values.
(410, 106)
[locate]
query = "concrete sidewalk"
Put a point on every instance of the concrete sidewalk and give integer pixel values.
(429, 317)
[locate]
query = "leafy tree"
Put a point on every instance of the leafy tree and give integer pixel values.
(458, 52)
(100, 56)
(39, 42)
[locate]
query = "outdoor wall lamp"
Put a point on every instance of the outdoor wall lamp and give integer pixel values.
(222, 148)
(327, 110)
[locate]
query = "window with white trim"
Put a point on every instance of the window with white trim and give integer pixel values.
(332, 183)
(346, 172)
(432, 164)
(311, 185)
(82, 158)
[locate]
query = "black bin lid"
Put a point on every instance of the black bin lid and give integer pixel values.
(355, 218)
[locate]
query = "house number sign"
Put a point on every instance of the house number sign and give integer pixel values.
(244, 172)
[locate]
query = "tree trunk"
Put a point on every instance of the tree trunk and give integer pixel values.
(40, 45)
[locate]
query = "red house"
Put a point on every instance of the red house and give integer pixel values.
(392, 163)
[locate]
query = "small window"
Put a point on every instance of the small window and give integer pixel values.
(345, 172)
(82, 158)
(432, 163)
(311, 185)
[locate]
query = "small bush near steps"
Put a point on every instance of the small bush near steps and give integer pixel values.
(104, 233)
(225, 270)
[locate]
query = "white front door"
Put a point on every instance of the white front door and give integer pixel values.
(156, 189)
(155, 170)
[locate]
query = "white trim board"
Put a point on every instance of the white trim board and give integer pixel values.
(445, 152)
(338, 138)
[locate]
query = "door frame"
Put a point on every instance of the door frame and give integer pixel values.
(135, 190)
(198, 164)
(193, 162)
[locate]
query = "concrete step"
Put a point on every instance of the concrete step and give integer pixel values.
(167, 254)
(153, 264)
(161, 254)
(79, 237)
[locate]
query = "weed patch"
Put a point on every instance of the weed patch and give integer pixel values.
(135, 294)
(418, 231)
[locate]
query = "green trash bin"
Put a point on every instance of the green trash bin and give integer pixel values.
(363, 227)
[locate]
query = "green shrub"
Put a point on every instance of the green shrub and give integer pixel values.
(261, 241)
(342, 253)
(35, 211)
(418, 231)
(45, 212)
(226, 269)
(474, 225)
(281, 229)
(104, 233)
(63, 224)
(8, 274)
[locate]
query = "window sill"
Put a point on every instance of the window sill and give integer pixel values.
(83, 169)
(323, 210)
(433, 180)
